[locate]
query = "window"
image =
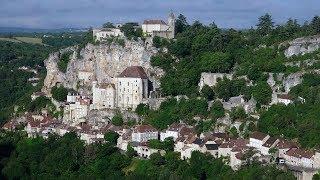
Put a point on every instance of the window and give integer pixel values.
(128, 83)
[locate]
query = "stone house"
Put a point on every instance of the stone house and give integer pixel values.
(187, 145)
(75, 112)
(105, 33)
(143, 150)
(132, 86)
(238, 101)
(283, 146)
(302, 158)
(35, 124)
(175, 130)
(211, 79)
(269, 144)
(160, 28)
(257, 139)
(233, 150)
(284, 99)
(124, 140)
(126, 91)
(144, 133)
(103, 96)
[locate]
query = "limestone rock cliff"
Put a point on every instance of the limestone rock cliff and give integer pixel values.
(100, 63)
(303, 45)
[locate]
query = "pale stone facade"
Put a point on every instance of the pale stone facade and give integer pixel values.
(159, 27)
(126, 91)
(211, 79)
(104, 33)
(75, 112)
(143, 133)
(131, 91)
(103, 96)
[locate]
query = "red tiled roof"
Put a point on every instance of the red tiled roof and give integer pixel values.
(134, 72)
(258, 135)
(285, 144)
(239, 155)
(185, 131)
(284, 96)
(299, 153)
(154, 21)
(235, 143)
(144, 128)
(34, 123)
(270, 142)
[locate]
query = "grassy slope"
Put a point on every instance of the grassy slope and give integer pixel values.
(23, 39)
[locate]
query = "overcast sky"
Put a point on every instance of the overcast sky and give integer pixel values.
(86, 13)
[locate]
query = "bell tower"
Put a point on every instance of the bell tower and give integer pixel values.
(171, 23)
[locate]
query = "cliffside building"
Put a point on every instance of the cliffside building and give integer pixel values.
(76, 109)
(105, 33)
(125, 91)
(155, 27)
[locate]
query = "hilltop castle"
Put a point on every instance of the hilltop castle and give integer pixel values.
(150, 28)
(160, 28)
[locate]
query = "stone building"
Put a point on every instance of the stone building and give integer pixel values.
(105, 33)
(131, 87)
(144, 133)
(103, 96)
(76, 111)
(126, 91)
(155, 27)
(211, 79)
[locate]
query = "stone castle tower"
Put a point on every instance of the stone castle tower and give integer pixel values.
(171, 23)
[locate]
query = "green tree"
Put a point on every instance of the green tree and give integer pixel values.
(265, 24)
(156, 159)
(131, 31)
(216, 62)
(108, 25)
(217, 110)
(262, 93)
(207, 92)
(142, 109)
(117, 120)
(59, 93)
(181, 24)
(111, 137)
(238, 113)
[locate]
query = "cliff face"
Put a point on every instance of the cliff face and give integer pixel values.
(98, 62)
(302, 46)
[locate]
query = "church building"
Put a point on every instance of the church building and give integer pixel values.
(125, 92)
(155, 27)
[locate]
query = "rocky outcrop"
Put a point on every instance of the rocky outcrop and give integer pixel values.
(100, 63)
(301, 46)
(292, 80)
